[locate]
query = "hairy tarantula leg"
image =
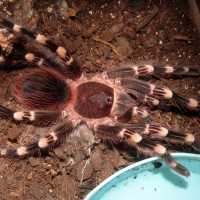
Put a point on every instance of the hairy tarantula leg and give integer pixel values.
(41, 39)
(143, 98)
(52, 139)
(160, 93)
(37, 118)
(163, 133)
(131, 70)
(29, 60)
(165, 70)
(173, 136)
(62, 52)
(32, 58)
(28, 57)
(133, 112)
(142, 144)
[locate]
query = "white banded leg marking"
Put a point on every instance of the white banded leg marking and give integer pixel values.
(62, 52)
(151, 100)
(189, 139)
(130, 136)
(145, 88)
(161, 92)
(158, 130)
(135, 138)
(19, 116)
(192, 103)
(145, 70)
(162, 132)
(135, 70)
(40, 62)
(43, 143)
(17, 28)
(48, 139)
(130, 70)
(21, 151)
(2, 59)
(41, 39)
(160, 150)
(121, 133)
(37, 118)
(70, 61)
(53, 134)
(186, 69)
(32, 115)
(168, 69)
(179, 70)
(3, 152)
(30, 57)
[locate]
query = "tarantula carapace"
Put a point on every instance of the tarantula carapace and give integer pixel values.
(106, 102)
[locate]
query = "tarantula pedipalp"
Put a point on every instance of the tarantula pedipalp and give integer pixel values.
(105, 102)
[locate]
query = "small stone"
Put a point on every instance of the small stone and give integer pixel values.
(129, 32)
(4, 167)
(15, 194)
(53, 172)
(85, 133)
(57, 181)
(103, 146)
(78, 156)
(107, 36)
(98, 61)
(73, 46)
(122, 162)
(49, 197)
(96, 160)
(49, 9)
(72, 12)
(8, 95)
(34, 161)
(14, 132)
(112, 16)
(90, 31)
(116, 28)
(59, 152)
(30, 176)
(124, 47)
(106, 51)
(107, 165)
(116, 158)
(83, 171)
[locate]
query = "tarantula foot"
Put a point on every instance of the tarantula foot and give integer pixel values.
(7, 152)
(177, 167)
(180, 169)
(196, 145)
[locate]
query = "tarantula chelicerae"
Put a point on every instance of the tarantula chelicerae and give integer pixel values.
(105, 102)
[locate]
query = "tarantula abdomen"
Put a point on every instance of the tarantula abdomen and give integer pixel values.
(42, 89)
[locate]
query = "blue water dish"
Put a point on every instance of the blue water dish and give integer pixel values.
(152, 179)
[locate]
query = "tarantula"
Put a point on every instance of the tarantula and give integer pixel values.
(105, 103)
